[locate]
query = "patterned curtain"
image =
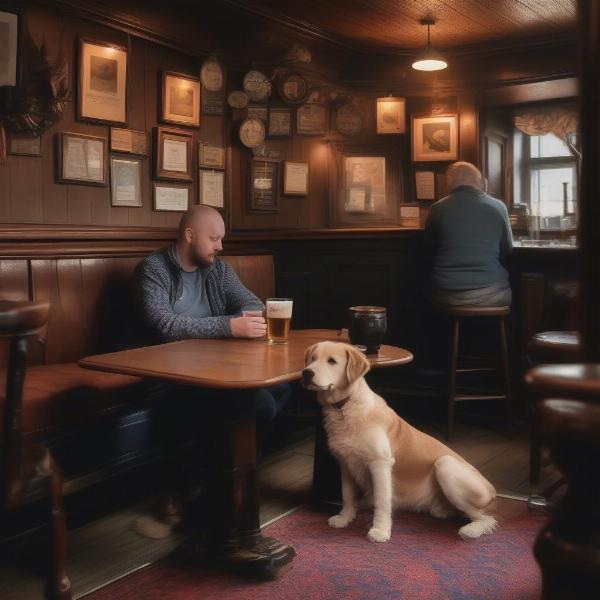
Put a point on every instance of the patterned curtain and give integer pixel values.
(561, 121)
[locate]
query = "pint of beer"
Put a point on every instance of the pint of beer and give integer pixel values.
(279, 317)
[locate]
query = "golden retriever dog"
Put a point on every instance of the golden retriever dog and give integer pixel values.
(395, 465)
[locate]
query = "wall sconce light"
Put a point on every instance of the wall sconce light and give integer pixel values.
(429, 59)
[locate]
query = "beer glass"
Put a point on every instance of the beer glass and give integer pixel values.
(279, 317)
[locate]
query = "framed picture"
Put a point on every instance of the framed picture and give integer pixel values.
(365, 185)
(410, 215)
(24, 145)
(211, 155)
(425, 185)
(280, 122)
(128, 140)
(391, 115)
(180, 99)
(171, 197)
(211, 188)
(81, 159)
(435, 138)
(213, 103)
(102, 82)
(125, 181)
(173, 154)
(295, 178)
(258, 111)
(9, 48)
(264, 186)
(311, 119)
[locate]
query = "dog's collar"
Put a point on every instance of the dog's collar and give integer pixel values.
(340, 403)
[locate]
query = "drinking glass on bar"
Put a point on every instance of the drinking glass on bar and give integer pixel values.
(279, 318)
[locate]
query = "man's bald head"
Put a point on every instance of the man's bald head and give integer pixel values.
(201, 231)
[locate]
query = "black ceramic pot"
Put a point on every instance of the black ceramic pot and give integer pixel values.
(367, 326)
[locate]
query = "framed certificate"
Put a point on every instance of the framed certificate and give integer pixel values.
(264, 186)
(125, 181)
(102, 82)
(180, 99)
(425, 185)
(348, 119)
(171, 197)
(128, 140)
(280, 122)
(9, 48)
(173, 154)
(211, 186)
(391, 115)
(81, 159)
(295, 178)
(24, 145)
(211, 155)
(311, 119)
(258, 112)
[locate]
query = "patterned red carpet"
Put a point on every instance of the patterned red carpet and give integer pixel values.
(424, 560)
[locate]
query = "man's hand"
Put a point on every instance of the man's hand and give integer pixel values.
(248, 327)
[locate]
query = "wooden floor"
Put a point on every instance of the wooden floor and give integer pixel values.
(107, 549)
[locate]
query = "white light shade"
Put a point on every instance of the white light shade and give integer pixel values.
(429, 60)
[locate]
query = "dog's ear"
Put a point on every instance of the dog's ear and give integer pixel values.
(308, 352)
(357, 365)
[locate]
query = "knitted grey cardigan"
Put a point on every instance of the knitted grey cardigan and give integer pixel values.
(159, 283)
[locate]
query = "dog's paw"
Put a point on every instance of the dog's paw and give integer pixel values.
(376, 534)
(339, 521)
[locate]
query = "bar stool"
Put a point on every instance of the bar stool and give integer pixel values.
(456, 314)
(547, 347)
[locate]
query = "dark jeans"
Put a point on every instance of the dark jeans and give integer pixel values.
(185, 412)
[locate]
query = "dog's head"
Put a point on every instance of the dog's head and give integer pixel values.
(330, 366)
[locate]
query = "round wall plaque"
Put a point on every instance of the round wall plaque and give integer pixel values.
(257, 86)
(252, 132)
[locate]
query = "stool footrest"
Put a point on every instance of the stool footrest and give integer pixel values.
(476, 397)
(476, 370)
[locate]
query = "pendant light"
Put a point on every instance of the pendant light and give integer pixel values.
(429, 59)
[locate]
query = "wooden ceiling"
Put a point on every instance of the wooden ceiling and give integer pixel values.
(388, 25)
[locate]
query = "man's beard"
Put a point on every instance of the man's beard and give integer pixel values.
(202, 262)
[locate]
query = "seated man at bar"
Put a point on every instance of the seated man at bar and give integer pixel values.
(185, 291)
(468, 240)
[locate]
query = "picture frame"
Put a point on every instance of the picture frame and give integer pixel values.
(410, 215)
(264, 186)
(129, 141)
(213, 103)
(126, 181)
(435, 139)
(173, 154)
(391, 115)
(211, 188)
(102, 83)
(280, 123)
(9, 43)
(170, 197)
(425, 185)
(258, 111)
(311, 119)
(81, 159)
(365, 182)
(211, 155)
(24, 145)
(180, 99)
(295, 178)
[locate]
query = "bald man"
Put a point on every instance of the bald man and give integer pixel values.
(187, 292)
(184, 292)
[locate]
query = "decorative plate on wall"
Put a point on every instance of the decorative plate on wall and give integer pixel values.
(257, 86)
(237, 99)
(294, 88)
(211, 75)
(252, 132)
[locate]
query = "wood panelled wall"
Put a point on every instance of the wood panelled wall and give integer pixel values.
(28, 189)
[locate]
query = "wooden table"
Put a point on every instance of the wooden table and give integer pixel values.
(234, 364)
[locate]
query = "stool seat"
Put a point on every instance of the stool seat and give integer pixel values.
(20, 318)
(554, 347)
(579, 381)
(475, 311)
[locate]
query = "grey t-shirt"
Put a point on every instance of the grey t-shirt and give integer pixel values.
(192, 301)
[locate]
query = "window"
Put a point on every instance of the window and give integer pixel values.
(548, 180)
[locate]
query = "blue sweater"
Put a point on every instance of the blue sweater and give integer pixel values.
(467, 238)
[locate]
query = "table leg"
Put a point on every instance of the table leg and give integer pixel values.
(326, 488)
(236, 538)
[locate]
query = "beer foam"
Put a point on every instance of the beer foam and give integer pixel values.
(279, 309)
